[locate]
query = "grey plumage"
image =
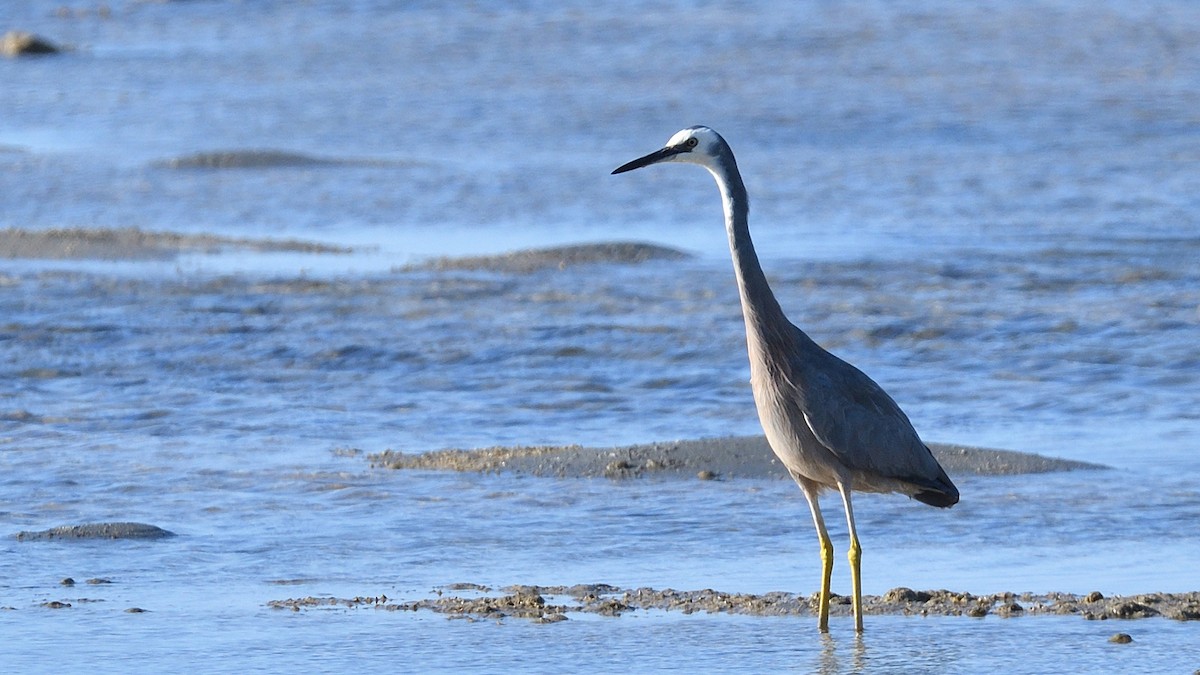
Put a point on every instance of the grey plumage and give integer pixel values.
(829, 424)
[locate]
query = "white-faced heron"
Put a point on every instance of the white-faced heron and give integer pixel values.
(828, 423)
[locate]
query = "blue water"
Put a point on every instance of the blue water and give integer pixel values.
(993, 211)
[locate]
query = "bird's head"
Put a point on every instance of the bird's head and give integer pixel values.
(695, 145)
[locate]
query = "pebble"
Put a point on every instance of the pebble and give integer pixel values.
(1009, 609)
(19, 43)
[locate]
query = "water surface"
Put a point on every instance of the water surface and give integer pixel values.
(992, 211)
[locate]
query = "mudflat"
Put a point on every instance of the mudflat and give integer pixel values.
(549, 604)
(130, 243)
(710, 458)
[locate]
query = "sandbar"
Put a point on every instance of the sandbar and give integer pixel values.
(131, 243)
(526, 261)
(712, 458)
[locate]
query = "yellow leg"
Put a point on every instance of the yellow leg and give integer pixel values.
(855, 555)
(810, 493)
(826, 578)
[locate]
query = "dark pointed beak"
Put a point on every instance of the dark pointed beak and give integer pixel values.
(652, 158)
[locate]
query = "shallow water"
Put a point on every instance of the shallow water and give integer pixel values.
(376, 641)
(991, 211)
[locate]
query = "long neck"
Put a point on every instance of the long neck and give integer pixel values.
(764, 318)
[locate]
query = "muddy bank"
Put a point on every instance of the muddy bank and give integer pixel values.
(716, 458)
(140, 531)
(134, 244)
(547, 604)
(557, 257)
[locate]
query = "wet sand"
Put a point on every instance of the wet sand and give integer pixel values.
(134, 244)
(259, 159)
(706, 459)
(548, 604)
(556, 257)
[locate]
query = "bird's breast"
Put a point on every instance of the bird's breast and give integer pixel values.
(788, 433)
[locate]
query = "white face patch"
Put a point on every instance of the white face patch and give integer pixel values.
(704, 136)
(706, 143)
(680, 137)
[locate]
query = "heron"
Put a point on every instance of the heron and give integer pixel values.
(829, 424)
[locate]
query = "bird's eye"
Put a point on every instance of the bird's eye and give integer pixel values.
(690, 143)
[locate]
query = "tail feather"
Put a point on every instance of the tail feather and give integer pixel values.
(938, 498)
(939, 492)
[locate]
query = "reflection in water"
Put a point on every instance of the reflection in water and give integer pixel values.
(853, 654)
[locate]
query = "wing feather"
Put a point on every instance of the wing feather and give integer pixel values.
(858, 421)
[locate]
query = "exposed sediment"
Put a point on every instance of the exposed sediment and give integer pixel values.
(128, 243)
(98, 531)
(556, 257)
(259, 159)
(733, 457)
(548, 604)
